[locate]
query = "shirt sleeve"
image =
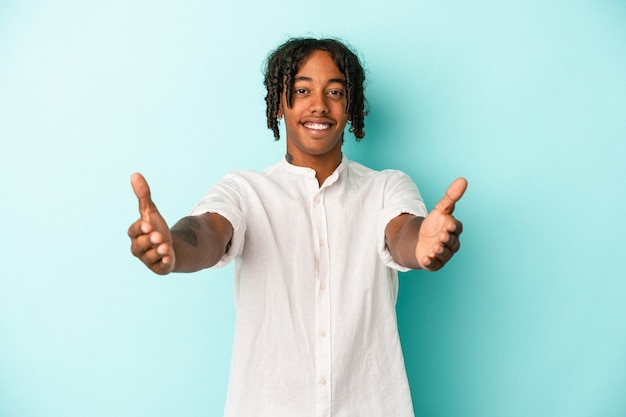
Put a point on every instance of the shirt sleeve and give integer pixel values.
(401, 196)
(225, 199)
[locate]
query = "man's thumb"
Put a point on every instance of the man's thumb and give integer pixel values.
(453, 194)
(142, 191)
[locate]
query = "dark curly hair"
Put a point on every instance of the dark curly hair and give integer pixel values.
(283, 64)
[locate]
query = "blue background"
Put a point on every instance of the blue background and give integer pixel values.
(527, 99)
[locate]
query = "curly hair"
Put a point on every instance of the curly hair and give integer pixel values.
(283, 64)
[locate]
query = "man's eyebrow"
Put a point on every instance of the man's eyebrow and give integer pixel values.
(337, 80)
(332, 80)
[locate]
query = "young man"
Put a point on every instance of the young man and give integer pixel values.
(317, 240)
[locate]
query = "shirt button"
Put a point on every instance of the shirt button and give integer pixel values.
(316, 200)
(323, 381)
(321, 243)
(322, 333)
(322, 286)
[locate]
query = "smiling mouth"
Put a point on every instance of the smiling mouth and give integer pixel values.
(317, 126)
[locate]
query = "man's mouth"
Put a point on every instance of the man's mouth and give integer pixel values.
(317, 126)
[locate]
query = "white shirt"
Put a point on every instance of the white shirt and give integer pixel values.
(315, 291)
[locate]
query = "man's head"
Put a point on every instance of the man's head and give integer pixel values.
(283, 64)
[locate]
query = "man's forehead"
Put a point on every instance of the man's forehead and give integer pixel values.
(304, 78)
(319, 64)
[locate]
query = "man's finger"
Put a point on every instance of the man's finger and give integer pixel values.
(453, 194)
(142, 191)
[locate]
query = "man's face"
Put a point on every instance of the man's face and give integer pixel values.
(317, 118)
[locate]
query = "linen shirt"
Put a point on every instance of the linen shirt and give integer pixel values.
(315, 289)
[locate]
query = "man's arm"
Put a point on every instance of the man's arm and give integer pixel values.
(194, 243)
(427, 242)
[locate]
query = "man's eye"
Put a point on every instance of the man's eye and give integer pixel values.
(336, 93)
(299, 91)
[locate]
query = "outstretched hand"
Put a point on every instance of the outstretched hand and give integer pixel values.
(151, 240)
(439, 233)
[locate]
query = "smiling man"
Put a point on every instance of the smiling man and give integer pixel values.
(318, 241)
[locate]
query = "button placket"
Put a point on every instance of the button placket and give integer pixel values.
(323, 365)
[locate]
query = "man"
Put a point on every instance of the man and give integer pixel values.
(317, 240)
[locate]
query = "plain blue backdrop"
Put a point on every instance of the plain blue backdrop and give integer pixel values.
(525, 98)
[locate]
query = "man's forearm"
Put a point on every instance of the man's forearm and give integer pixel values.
(200, 241)
(402, 235)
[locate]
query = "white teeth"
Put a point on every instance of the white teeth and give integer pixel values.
(317, 126)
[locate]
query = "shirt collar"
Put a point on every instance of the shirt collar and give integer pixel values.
(337, 172)
(309, 172)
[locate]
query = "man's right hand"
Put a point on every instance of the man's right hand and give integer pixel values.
(151, 240)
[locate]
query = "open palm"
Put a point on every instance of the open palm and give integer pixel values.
(439, 233)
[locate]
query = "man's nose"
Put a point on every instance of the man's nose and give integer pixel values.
(319, 103)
